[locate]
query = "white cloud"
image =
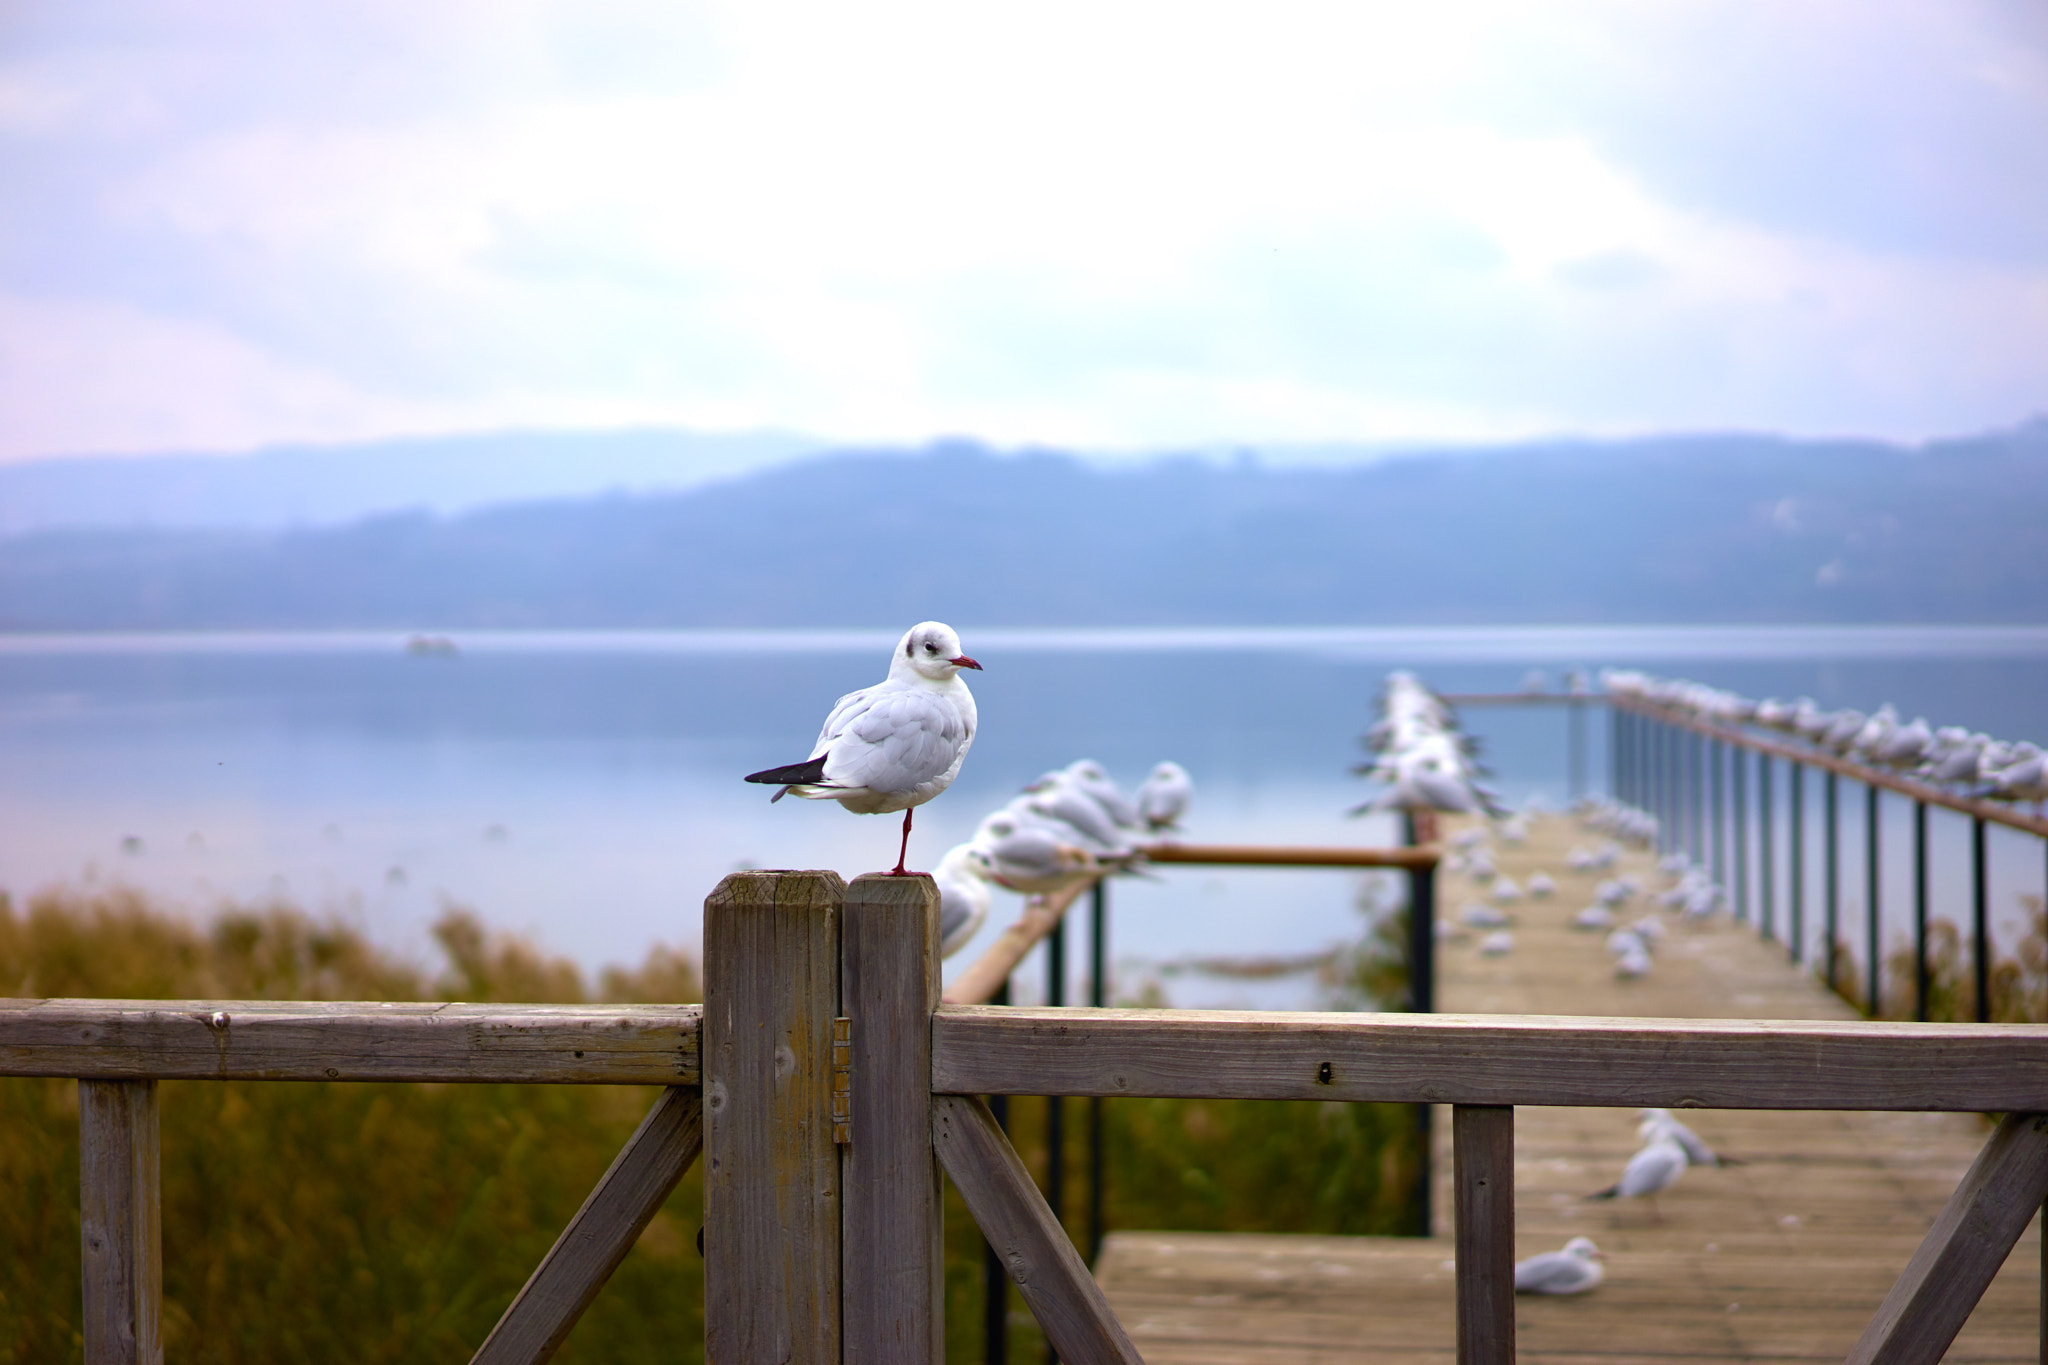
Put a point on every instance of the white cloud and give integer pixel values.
(1100, 224)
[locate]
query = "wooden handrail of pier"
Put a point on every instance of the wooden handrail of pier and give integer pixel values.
(1491, 1059)
(282, 1040)
(1280, 855)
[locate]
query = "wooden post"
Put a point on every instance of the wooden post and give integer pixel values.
(1483, 1163)
(1063, 1296)
(893, 1304)
(597, 1239)
(771, 1177)
(121, 1208)
(1969, 1241)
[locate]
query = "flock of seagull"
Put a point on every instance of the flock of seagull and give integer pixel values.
(1970, 762)
(1419, 754)
(1071, 826)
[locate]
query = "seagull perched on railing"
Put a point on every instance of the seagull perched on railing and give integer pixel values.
(896, 745)
(962, 878)
(1163, 798)
(1574, 1270)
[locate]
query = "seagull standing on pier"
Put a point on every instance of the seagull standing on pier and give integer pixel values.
(896, 745)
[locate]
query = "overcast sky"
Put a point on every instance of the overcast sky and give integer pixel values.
(228, 224)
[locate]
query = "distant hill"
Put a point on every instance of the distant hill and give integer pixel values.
(1705, 528)
(324, 485)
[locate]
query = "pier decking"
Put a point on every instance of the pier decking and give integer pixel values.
(1782, 1258)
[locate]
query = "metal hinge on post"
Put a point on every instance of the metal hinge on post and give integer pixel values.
(842, 1080)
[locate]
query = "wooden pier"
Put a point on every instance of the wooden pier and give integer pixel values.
(1782, 1258)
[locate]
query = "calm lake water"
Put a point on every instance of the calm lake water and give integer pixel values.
(583, 788)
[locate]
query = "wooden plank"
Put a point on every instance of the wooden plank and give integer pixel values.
(1281, 855)
(1483, 1177)
(771, 1179)
(1491, 1059)
(270, 1040)
(893, 1297)
(1968, 1243)
(121, 1222)
(1013, 1216)
(611, 1220)
(987, 973)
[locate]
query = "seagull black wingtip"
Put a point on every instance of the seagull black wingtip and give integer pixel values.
(791, 774)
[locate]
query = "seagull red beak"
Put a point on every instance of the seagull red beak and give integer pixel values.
(964, 662)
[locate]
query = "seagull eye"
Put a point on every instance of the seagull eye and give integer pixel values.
(930, 648)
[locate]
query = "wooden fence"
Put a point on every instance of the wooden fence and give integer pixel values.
(827, 1086)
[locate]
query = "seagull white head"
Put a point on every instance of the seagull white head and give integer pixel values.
(931, 650)
(1583, 1248)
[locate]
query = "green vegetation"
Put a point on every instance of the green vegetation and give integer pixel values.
(389, 1223)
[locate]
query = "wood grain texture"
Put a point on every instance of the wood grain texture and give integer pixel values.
(121, 1222)
(1491, 1059)
(1969, 1242)
(987, 973)
(893, 1299)
(1483, 1178)
(771, 1179)
(1283, 855)
(624, 1201)
(1013, 1216)
(270, 1040)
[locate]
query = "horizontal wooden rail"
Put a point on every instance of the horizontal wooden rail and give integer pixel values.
(270, 1040)
(1989, 811)
(1491, 1059)
(1280, 855)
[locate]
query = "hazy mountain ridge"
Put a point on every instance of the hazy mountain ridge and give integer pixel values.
(1710, 528)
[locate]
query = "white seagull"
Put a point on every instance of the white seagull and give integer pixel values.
(1163, 799)
(1649, 1172)
(962, 877)
(1574, 1270)
(896, 745)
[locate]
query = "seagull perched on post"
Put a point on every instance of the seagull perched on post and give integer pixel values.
(896, 745)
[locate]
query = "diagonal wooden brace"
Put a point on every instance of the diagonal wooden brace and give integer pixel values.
(1940, 1286)
(1013, 1215)
(625, 1200)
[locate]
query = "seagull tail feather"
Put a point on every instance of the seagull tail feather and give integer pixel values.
(791, 774)
(1609, 1193)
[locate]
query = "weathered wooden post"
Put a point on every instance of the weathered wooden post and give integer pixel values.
(121, 1208)
(894, 1277)
(772, 1201)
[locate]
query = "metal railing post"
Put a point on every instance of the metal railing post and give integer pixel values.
(1796, 908)
(1920, 982)
(1575, 778)
(1980, 928)
(1098, 996)
(1717, 801)
(1738, 780)
(995, 1276)
(1766, 847)
(1832, 879)
(1696, 835)
(1422, 1000)
(1055, 1107)
(1872, 874)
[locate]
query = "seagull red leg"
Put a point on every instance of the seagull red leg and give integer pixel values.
(903, 852)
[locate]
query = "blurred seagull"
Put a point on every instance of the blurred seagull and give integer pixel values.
(1574, 1270)
(1697, 1153)
(1164, 797)
(962, 877)
(1499, 943)
(1649, 1172)
(1540, 885)
(896, 745)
